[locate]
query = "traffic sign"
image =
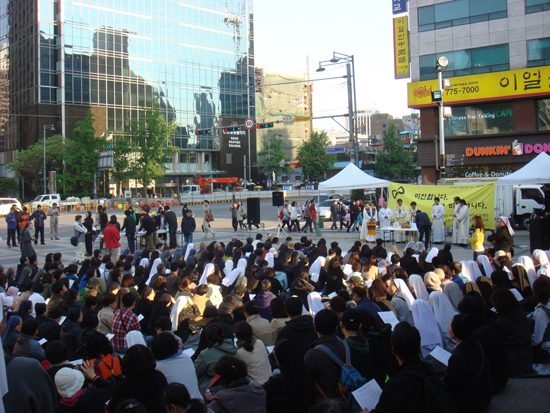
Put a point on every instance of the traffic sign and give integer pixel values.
(336, 150)
(302, 118)
(249, 124)
(288, 120)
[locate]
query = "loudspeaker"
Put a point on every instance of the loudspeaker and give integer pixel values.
(278, 198)
(539, 234)
(253, 213)
(547, 200)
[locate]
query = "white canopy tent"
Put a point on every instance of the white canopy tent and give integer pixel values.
(351, 177)
(536, 172)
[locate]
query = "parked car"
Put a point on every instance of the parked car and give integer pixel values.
(6, 203)
(323, 209)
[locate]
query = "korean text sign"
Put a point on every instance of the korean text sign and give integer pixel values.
(401, 47)
(480, 198)
(489, 86)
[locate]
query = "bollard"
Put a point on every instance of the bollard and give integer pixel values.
(78, 207)
(125, 206)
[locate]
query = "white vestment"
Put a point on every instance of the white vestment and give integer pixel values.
(456, 211)
(368, 214)
(438, 211)
(401, 214)
(385, 215)
(464, 225)
(413, 235)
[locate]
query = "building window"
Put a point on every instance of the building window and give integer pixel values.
(543, 115)
(483, 119)
(467, 62)
(534, 6)
(228, 158)
(538, 52)
(460, 12)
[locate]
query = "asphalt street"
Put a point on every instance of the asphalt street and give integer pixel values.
(9, 257)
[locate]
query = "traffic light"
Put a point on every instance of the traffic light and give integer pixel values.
(231, 129)
(202, 132)
(264, 125)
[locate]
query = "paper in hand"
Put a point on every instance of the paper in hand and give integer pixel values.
(368, 395)
(441, 355)
(389, 317)
(189, 352)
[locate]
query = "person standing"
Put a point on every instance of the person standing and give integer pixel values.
(53, 213)
(172, 220)
(313, 212)
(294, 223)
(438, 212)
(334, 214)
(188, 226)
(207, 218)
(80, 234)
(129, 225)
(234, 216)
(89, 238)
(424, 227)
(102, 220)
(353, 213)
(401, 214)
(22, 219)
(413, 236)
(26, 241)
(368, 230)
(11, 220)
(385, 215)
(112, 238)
(504, 236)
(39, 217)
(381, 201)
(478, 237)
(342, 212)
(464, 223)
(241, 215)
(456, 211)
(150, 228)
(306, 213)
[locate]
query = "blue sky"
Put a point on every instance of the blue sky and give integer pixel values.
(287, 31)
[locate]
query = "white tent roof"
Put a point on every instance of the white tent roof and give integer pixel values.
(535, 172)
(351, 177)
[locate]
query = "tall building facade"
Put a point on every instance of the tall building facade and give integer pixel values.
(499, 66)
(63, 58)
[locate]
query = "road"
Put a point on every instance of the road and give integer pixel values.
(9, 257)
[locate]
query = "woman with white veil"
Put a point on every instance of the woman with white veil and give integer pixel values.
(425, 322)
(475, 272)
(444, 313)
(466, 272)
(270, 259)
(315, 269)
(188, 249)
(180, 304)
(417, 283)
(231, 277)
(228, 267)
(488, 268)
(208, 269)
(241, 265)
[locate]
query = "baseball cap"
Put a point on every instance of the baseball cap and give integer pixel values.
(351, 317)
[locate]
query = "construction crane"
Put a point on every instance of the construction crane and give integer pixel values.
(205, 183)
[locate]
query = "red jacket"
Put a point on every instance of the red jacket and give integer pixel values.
(313, 212)
(111, 236)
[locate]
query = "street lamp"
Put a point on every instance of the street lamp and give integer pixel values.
(340, 58)
(440, 66)
(50, 127)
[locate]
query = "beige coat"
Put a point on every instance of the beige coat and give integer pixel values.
(261, 329)
(257, 363)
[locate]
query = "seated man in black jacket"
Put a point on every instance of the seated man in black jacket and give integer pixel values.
(322, 369)
(404, 392)
(408, 261)
(299, 328)
(358, 345)
(231, 309)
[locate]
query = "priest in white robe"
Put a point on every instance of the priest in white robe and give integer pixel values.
(368, 229)
(454, 238)
(463, 223)
(401, 215)
(438, 212)
(385, 214)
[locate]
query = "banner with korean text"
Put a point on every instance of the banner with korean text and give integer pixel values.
(480, 198)
(532, 81)
(401, 47)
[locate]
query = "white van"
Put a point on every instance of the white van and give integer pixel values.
(6, 203)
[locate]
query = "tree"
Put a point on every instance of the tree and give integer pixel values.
(153, 137)
(28, 164)
(394, 162)
(7, 185)
(124, 157)
(272, 155)
(313, 157)
(82, 156)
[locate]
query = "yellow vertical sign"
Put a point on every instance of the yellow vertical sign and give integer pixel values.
(401, 47)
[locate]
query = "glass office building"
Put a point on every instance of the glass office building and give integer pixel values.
(63, 58)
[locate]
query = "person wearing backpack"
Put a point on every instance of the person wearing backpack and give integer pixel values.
(404, 392)
(320, 363)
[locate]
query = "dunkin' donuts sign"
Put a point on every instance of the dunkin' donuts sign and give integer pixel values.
(515, 149)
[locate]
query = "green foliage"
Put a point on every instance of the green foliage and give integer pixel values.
(312, 156)
(124, 157)
(394, 162)
(154, 141)
(28, 164)
(272, 154)
(7, 185)
(357, 194)
(82, 156)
